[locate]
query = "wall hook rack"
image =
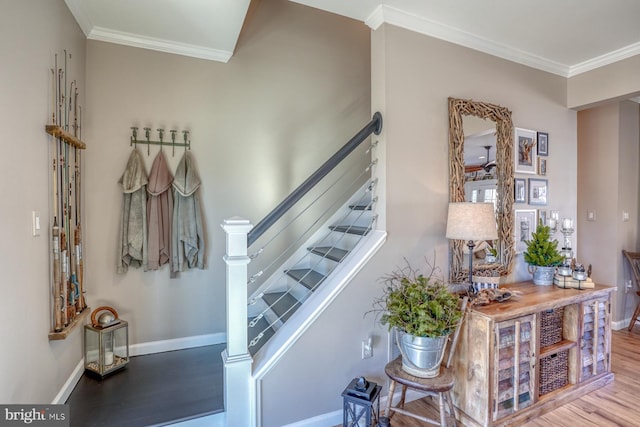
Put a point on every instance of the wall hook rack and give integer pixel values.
(147, 132)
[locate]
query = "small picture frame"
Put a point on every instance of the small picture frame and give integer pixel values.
(538, 191)
(525, 226)
(543, 144)
(520, 188)
(542, 166)
(525, 151)
(542, 216)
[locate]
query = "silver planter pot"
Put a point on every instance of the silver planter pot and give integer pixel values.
(422, 356)
(542, 275)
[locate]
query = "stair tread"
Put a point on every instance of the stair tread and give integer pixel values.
(329, 252)
(361, 206)
(280, 303)
(308, 277)
(351, 229)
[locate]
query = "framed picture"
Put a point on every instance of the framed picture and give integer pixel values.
(525, 225)
(542, 166)
(543, 144)
(525, 151)
(520, 186)
(538, 191)
(542, 216)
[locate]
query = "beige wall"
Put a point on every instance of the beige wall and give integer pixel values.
(32, 368)
(412, 76)
(296, 89)
(614, 82)
(608, 156)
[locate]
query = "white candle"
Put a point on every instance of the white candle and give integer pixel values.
(567, 223)
(552, 223)
(108, 358)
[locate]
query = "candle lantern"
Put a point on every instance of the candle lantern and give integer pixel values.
(361, 403)
(567, 231)
(106, 342)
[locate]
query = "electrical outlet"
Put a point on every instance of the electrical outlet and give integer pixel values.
(367, 349)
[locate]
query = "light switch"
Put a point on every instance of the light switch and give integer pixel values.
(35, 223)
(591, 215)
(625, 216)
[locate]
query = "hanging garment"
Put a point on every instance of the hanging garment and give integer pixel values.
(159, 213)
(132, 248)
(188, 236)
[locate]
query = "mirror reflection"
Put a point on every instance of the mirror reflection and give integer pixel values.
(481, 170)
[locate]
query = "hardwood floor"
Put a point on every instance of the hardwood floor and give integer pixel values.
(155, 389)
(617, 404)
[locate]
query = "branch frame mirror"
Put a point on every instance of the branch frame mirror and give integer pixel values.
(505, 183)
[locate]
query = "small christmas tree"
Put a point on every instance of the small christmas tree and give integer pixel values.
(541, 250)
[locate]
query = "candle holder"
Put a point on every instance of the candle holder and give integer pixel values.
(567, 230)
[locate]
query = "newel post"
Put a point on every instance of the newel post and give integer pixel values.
(237, 360)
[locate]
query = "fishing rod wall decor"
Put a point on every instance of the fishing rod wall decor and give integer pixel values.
(147, 132)
(68, 303)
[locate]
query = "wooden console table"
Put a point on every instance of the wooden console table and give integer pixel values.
(531, 354)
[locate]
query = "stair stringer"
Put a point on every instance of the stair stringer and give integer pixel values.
(314, 306)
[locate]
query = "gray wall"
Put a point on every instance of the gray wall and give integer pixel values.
(32, 369)
(608, 156)
(412, 76)
(296, 89)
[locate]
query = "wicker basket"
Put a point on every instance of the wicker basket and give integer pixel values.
(554, 372)
(551, 326)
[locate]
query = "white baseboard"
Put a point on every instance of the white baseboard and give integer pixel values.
(176, 344)
(215, 420)
(141, 349)
(70, 384)
(620, 324)
(335, 418)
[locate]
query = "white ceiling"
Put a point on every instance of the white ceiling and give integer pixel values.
(564, 37)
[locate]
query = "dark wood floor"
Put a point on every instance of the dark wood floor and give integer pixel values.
(156, 389)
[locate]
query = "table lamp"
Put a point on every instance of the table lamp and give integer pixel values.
(471, 221)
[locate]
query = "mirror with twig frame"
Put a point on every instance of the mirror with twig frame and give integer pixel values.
(458, 108)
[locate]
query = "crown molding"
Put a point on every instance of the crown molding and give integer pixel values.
(386, 14)
(152, 43)
(606, 59)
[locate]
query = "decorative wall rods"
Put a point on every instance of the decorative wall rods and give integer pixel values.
(147, 131)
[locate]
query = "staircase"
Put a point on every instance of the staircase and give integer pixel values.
(281, 296)
(310, 270)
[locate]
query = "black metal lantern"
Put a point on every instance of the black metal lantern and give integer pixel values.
(361, 403)
(106, 342)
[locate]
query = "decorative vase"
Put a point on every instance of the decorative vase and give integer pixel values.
(542, 275)
(422, 356)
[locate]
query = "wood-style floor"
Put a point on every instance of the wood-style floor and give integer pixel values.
(615, 405)
(152, 390)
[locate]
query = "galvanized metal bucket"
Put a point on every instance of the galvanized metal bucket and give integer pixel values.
(542, 275)
(421, 356)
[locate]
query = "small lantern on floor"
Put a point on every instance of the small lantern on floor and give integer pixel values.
(361, 403)
(106, 342)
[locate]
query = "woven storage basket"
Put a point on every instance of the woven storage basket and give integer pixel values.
(554, 372)
(551, 326)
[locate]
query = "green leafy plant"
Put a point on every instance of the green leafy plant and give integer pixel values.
(541, 250)
(417, 304)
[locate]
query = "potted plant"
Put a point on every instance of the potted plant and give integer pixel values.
(423, 313)
(542, 255)
(492, 252)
